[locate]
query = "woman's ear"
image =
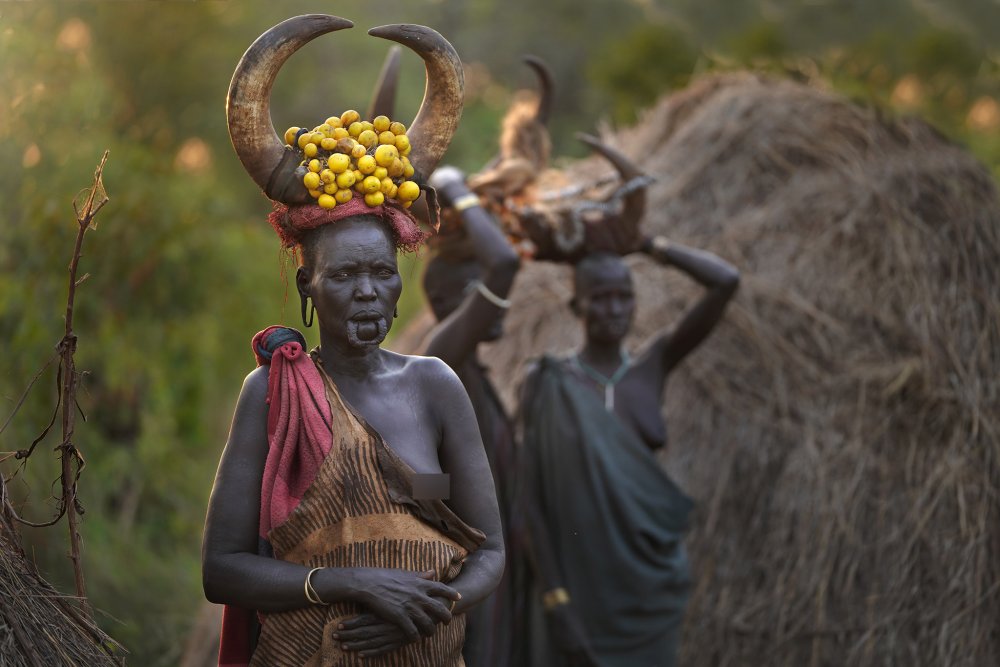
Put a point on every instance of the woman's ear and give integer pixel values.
(302, 278)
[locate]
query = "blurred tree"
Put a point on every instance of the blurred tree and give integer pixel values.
(185, 269)
(638, 68)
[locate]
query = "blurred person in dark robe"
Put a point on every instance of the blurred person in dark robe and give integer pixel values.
(606, 522)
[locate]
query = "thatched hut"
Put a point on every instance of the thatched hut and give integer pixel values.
(40, 627)
(841, 430)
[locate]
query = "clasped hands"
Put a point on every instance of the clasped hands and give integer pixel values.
(402, 607)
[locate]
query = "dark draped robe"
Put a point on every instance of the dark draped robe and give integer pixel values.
(615, 522)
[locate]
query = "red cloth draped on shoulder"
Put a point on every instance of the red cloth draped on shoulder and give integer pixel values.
(298, 434)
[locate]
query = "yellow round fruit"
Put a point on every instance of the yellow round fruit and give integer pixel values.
(304, 138)
(315, 193)
(328, 143)
(345, 145)
(359, 187)
(358, 176)
(345, 180)
(326, 129)
(407, 204)
(327, 176)
(358, 152)
(385, 154)
(381, 123)
(333, 122)
(407, 168)
(386, 185)
(372, 184)
(355, 129)
(326, 201)
(316, 137)
(393, 191)
(311, 180)
(387, 138)
(367, 125)
(396, 168)
(338, 163)
(407, 151)
(330, 188)
(368, 139)
(366, 164)
(290, 135)
(315, 165)
(408, 191)
(380, 173)
(374, 198)
(340, 133)
(348, 117)
(402, 142)
(310, 150)
(343, 196)
(397, 128)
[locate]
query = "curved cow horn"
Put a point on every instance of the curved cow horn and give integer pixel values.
(545, 87)
(635, 202)
(444, 95)
(384, 96)
(248, 105)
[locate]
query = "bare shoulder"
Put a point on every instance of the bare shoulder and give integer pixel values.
(249, 427)
(254, 391)
(255, 383)
(427, 372)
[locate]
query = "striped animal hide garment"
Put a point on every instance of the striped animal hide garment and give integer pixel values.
(359, 512)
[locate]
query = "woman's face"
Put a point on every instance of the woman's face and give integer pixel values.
(604, 299)
(351, 275)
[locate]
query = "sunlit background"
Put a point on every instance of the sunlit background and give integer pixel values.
(184, 268)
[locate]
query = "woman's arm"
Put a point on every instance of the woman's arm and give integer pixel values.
(473, 496)
(456, 337)
(722, 280)
(233, 572)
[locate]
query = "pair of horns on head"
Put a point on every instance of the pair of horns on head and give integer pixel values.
(248, 107)
(634, 204)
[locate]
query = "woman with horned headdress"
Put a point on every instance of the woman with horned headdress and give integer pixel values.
(353, 513)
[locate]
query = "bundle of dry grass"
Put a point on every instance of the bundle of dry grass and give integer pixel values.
(840, 430)
(40, 627)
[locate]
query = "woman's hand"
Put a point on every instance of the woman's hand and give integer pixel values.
(570, 638)
(449, 183)
(409, 601)
(369, 635)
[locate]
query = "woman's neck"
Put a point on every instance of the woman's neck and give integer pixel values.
(344, 360)
(602, 355)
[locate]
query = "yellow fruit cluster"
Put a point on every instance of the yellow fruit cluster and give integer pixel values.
(345, 155)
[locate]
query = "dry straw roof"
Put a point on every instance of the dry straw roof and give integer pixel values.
(40, 627)
(840, 431)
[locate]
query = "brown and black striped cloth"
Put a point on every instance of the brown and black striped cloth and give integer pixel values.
(359, 513)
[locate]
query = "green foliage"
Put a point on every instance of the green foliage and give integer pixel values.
(636, 69)
(183, 268)
(936, 52)
(763, 41)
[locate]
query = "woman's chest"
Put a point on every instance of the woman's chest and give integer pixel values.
(639, 408)
(405, 422)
